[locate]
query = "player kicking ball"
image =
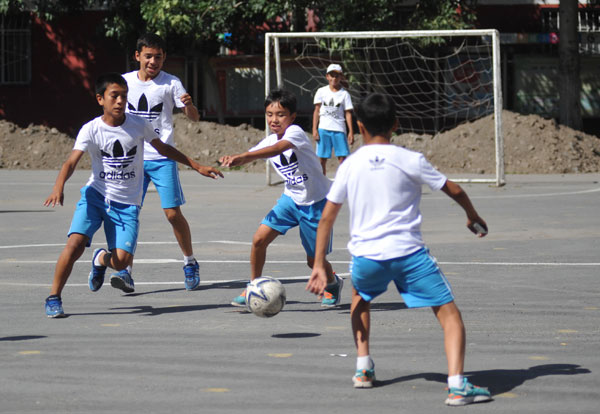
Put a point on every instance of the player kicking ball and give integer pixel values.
(290, 152)
(113, 193)
(382, 183)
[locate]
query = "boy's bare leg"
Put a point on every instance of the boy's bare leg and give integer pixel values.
(454, 336)
(181, 229)
(324, 165)
(117, 259)
(258, 255)
(64, 265)
(360, 314)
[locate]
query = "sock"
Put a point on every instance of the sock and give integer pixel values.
(455, 381)
(128, 268)
(97, 261)
(364, 362)
(188, 260)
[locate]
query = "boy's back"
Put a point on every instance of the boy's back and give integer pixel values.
(382, 184)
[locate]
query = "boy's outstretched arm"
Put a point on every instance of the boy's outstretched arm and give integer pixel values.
(174, 154)
(189, 109)
(249, 156)
(455, 192)
(58, 196)
(318, 279)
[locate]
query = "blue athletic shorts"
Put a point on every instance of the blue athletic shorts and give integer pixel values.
(417, 276)
(332, 139)
(120, 220)
(286, 215)
(165, 176)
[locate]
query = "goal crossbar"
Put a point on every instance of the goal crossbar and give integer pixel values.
(274, 38)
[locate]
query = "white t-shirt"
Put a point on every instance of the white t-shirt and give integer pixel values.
(155, 101)
(117, 155)
(299, 167)
(332, 115)
(383, 186)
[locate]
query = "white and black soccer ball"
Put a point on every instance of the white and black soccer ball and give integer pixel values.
(265, 296)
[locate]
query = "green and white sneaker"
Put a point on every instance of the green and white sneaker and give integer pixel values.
(468, 394)
(333, 293)
(364, 378)
(240, 300)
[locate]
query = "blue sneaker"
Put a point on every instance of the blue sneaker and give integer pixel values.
(333, 293)
(468, 394)
(96, 278)
(240, 300)
(122, 280)
(54, 307)
(192, 275)
(364, 378)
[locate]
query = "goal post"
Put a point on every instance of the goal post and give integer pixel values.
(438, 79)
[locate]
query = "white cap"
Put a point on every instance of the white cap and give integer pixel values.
(334, 67)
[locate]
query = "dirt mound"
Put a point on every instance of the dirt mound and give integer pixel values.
(532, 145)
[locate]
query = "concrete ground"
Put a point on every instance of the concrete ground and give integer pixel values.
(529, 294)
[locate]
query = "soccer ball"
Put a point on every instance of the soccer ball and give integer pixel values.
(265, 296)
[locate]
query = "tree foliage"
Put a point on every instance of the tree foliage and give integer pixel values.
(193, 23)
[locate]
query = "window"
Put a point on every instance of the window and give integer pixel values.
(15, 49)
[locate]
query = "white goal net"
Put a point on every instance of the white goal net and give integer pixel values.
(438, 79)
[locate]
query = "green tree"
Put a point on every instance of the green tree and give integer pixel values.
(193, 23)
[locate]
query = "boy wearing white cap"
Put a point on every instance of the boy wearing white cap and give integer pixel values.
(333, 110)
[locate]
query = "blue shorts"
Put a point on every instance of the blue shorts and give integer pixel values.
(120, 220)
(332, 139)
(417, 276)
(165, 176)
(286, 215)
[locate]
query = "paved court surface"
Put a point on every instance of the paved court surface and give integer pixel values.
(529, 293)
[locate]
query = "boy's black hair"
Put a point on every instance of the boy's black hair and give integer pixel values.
(150, 40)
(106, 79)
(285, 98)
(377, 112)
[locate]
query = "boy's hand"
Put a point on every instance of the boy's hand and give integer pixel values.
(57, 197)
(316, 136)
(350, 139)
(317, 281)
(186, 99)
(232, 160)
(478, 226)
(206, 171)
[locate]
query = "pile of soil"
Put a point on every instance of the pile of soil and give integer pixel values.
(532, 145)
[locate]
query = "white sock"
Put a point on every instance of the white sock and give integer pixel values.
(364, 362)
(128, 268)
(97, 261)
(188, 259)
(455, 381)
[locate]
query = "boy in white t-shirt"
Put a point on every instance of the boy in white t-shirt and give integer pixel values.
(153, 94)
(113, 193)
(382, 183)
(290, 152)
(333, 111)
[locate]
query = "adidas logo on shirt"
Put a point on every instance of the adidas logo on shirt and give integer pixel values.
(118, 160)
(377, 163)
(143, 111)
(288, 167)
